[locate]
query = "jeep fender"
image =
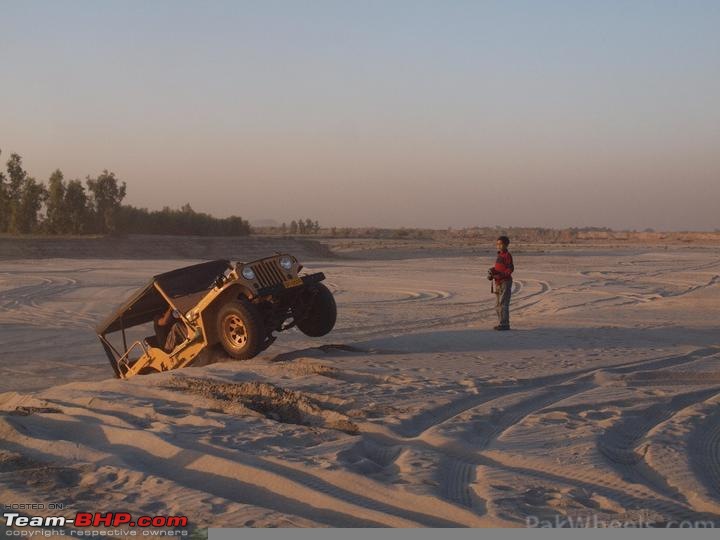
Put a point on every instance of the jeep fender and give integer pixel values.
(209, 315)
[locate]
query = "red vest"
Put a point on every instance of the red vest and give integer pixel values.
(503, 267)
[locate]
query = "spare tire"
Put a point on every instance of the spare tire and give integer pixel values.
(240, 329)
(321, 313)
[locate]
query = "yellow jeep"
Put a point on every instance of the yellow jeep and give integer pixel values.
(237, 306)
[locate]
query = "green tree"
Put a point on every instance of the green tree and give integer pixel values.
(182, 221)
(76, 208)
(32, 197)
(16, 179)
(56, 220)
(4, 203)
(107, 195)
(293, 227)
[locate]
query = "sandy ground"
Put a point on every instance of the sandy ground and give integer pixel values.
(603, 401)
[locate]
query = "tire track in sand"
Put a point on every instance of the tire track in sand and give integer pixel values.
(458, 465)
(522, 303)
(704, 446)
(619, 444)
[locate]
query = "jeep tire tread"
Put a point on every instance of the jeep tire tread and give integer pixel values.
(240, 329)
(321, 314)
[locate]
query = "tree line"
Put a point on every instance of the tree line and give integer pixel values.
(95, 207)
(300, 226)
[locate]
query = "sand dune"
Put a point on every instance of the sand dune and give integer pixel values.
(604, 401)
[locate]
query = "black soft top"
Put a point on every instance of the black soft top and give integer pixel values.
(146, 303)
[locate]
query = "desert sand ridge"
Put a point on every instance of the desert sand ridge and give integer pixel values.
(157, 247)
(604, 401)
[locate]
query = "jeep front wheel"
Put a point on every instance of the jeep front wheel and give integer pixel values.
(321, 313)
(240, 330)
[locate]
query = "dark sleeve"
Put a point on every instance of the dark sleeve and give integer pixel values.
(161, 332)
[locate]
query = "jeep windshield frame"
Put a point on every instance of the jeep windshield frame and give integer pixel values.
(154, 298)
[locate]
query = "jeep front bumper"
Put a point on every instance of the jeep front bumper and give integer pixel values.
(291, 285)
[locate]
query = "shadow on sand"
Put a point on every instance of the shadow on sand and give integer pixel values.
(470, 340)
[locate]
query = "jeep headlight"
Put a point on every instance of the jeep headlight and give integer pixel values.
(248, 273)
(286, 262)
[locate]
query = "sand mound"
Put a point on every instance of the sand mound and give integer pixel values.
(159, 247)
(269, 400)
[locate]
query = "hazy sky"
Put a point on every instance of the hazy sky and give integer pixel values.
(388, 113)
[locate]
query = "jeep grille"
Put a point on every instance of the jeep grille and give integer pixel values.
(268, 273)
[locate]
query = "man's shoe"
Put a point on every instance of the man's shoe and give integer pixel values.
(501, 327)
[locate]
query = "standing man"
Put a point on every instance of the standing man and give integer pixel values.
(501, 273)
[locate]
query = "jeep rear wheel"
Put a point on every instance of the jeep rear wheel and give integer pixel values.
(240, 330)
(321, 314)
